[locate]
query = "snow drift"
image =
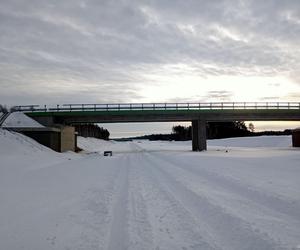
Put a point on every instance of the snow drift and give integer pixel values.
(20, 120)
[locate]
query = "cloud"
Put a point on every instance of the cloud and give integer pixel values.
(106, 51)
(294, 97)
(222, 95)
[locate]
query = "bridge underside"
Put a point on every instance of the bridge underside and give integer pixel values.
(199, 118)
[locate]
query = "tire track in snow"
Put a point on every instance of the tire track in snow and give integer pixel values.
(118, 232)
(264, 219)
(92, 216)
(140, 230)
(273, 203)
(231, 232)
(172, 225)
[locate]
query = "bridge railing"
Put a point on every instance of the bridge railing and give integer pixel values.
(160, 106)
(28, 108)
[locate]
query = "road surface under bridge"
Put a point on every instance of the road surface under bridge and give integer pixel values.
(198, 113)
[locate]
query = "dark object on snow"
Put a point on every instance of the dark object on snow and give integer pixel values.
(107, 153)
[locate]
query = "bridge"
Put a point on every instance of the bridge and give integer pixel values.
(198, 113)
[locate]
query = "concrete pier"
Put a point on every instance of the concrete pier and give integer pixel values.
(296, 137)
(199, 135)
(67, 139)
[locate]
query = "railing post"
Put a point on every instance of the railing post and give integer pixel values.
(165, 106)
(45, 107)
(277, 105)
(106, 107)
(288, 105)
(210, 105)
(142, 106)
(119, 107)
(82, 107)
(130, 106)
(188, 106)
(153, 106)
(57, 107)
(177, 106)
(221, 105)
(94, 107)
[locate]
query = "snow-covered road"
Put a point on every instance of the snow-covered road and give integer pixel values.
(142, 198)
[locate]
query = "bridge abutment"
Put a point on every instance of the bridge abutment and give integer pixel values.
(199, 135)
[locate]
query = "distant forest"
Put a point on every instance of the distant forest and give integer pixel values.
(215, 130)
(92, 130)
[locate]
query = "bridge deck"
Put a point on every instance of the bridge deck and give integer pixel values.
(82, 113)
(161, 106)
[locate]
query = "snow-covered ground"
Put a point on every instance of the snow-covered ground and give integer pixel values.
(242, 193)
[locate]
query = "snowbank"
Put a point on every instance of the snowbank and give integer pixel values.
(91, 144)
(253, 142)
(23, 153)
(12, 143)
(20, 120)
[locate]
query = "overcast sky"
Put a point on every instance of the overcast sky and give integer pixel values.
(99, 51)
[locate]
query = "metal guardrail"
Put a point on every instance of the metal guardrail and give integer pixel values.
(3, 118)
(28, 108)
(160, 106)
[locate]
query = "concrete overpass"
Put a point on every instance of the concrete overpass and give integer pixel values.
(198, 113)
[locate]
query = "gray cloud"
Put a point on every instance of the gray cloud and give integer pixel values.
(100, 51)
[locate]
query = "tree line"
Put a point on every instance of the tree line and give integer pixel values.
(92, 130)
(214, 130)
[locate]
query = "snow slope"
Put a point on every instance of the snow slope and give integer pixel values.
(19, 119)
(150, 195)
(240, 144)
(21, 153)
(97, 145)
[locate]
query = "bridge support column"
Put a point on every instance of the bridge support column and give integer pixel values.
(199, 135)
